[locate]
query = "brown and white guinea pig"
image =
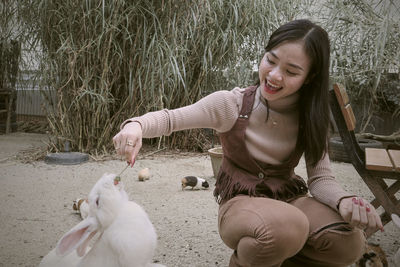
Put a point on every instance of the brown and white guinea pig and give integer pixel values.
(81, 205)
(373, 257)
(194, 182)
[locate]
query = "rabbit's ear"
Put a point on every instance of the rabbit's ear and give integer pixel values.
(77, 237)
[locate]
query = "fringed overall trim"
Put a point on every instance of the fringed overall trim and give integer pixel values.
(238, 182)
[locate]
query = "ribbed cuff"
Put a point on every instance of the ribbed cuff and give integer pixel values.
(340, 199)
(128, 121)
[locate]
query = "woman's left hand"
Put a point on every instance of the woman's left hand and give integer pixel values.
(361, 214)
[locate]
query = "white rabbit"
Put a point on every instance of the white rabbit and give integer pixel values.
(396, 258)
(126, 237)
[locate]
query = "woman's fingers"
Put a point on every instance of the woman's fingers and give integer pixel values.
(132, 150)
(369, 219)
(136, 151)
(355, 216)
(379, 222)
(119, 143)
(361, 214)
(129, 147)
(128, 141)
(376, 218)
(116, 143)
(364, 223)
(372, 223)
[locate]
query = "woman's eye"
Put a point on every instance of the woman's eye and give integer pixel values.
(291, 73)
(270, 61)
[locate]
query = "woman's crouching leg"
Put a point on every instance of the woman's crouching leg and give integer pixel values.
(261, 231)
(332, 242)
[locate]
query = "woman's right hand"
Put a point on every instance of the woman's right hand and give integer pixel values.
(129, 141)
(359, 213)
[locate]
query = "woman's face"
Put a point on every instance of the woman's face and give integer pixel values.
(283, 70)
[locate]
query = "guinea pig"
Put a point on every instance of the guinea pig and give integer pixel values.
(81, 206)
(144, 174)
(373, 257)
(194, 182)
(77, 204)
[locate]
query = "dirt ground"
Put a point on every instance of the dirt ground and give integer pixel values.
(36, 207)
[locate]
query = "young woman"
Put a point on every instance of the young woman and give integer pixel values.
(268, 215)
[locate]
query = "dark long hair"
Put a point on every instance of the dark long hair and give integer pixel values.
(314, 97)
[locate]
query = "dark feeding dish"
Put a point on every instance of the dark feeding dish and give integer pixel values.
(66, 158)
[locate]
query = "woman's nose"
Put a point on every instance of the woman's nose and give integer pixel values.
(276, 74)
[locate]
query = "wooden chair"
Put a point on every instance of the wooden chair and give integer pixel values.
(375, 164)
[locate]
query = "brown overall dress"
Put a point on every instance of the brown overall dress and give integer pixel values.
(242, 174)
(265, 215)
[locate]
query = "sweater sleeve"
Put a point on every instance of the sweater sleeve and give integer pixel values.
(323, 185)
(218, 111)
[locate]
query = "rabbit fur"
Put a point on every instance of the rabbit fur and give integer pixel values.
(126, 237)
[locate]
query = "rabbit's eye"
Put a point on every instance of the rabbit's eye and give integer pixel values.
(97, 202)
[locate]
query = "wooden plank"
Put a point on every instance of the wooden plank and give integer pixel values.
(377, 159)
(341, 94)
(395, 157)
(349, 117)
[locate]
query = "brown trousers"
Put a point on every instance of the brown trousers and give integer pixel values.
(303, 232)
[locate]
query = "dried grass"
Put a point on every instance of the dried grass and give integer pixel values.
(365, 38)
(106, 61)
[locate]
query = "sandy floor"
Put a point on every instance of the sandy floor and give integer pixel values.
(37, 199)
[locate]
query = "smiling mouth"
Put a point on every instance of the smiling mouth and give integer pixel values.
(271, 88)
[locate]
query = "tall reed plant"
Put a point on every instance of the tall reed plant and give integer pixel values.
(365, 38)
(107, 61)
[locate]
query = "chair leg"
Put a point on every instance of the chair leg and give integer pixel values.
(384, 196)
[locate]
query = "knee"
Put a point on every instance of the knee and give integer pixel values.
(290, 233)
(266, 232)
(272, 241)
(243, 223)
(343, 245)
